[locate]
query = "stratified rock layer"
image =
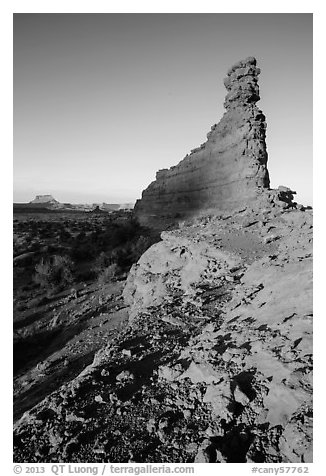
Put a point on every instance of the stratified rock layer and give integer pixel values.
(228, 170)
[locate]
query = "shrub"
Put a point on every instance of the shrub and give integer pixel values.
(54, 273)
(108, 274)
(87, 275)
(102, 262)
(82, 252)
(64, 235)
(141, 245)
(121, 256)
(81, 236)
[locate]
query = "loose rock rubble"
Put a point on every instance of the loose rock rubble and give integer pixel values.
(215, 365)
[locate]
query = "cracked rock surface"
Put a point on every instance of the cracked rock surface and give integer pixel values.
(215, 364)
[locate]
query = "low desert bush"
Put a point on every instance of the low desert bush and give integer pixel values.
(102, 262)
(54, 273)
(86, 275)
(141, 245)
(108, 274)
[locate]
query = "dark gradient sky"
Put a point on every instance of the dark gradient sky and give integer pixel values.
(102, 101)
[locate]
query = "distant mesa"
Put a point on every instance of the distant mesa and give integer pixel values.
(44, 200)
(115, 206)
(49, 203)
(126, 206)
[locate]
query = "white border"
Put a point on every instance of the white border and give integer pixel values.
(168, 6)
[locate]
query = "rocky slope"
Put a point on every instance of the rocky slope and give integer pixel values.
(215, 365)
(226, 171)
(248, 276)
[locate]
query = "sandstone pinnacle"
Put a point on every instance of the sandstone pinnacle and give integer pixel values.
(226, 171)
(242, 84)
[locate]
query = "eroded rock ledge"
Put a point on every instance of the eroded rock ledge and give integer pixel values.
(216, 363)
(226, 171)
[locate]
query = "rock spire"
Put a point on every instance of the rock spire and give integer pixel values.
(226, 171)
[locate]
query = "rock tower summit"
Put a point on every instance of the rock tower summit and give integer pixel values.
(228, 170)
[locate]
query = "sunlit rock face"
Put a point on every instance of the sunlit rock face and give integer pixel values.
(226, 171)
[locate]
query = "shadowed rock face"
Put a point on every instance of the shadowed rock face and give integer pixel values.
(225, 172)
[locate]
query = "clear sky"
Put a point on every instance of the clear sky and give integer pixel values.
(103, 101)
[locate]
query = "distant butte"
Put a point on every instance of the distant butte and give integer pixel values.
(226, 171)
(45, 199)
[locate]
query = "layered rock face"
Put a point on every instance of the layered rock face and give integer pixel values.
(228, 170)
